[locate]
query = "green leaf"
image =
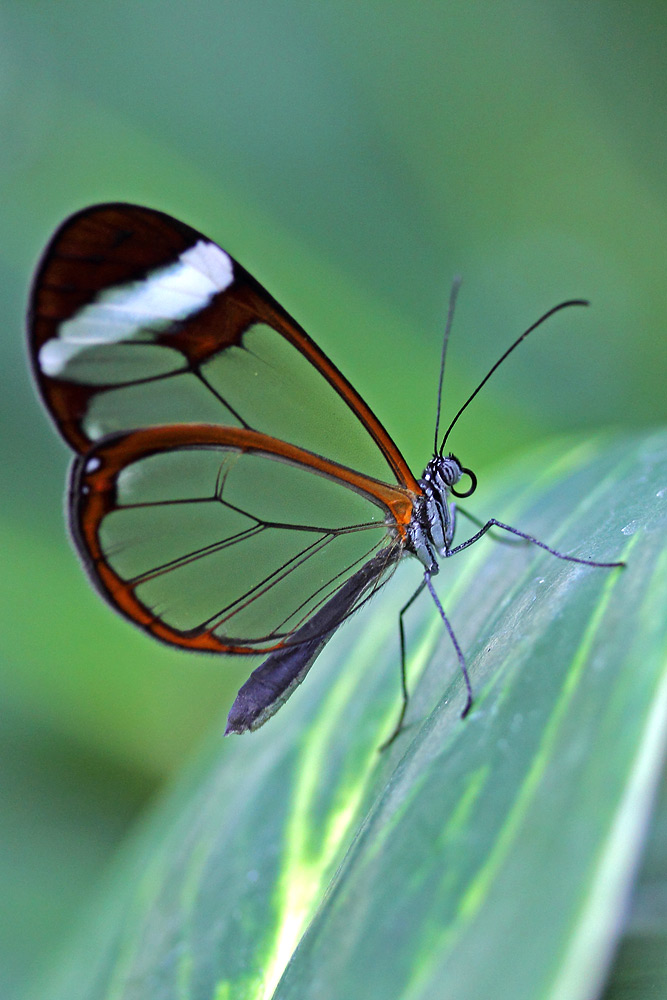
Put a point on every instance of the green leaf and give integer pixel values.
(485, 857)
(640, 964)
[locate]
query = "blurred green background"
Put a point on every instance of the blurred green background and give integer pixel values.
(354, 156)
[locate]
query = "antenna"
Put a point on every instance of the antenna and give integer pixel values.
(456, 284)
(547, 315)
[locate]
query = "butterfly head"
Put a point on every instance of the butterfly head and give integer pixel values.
(442, 474)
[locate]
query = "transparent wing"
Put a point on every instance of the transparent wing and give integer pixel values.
(137, 320)
(225, 539)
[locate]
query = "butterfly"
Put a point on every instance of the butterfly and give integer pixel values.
(230, 491)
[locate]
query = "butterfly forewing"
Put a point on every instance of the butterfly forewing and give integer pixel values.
(137, 320)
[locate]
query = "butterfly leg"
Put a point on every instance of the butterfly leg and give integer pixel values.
(404, 679)
(451, 527)
(493, 523)
(504, 539)
(426, 582)
(455, 643)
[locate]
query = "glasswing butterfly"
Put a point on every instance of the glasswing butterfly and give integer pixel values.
(231, 492)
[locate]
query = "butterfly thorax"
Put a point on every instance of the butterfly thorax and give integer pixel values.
(432, 527)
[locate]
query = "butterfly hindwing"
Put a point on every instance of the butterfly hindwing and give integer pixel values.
(223, 539)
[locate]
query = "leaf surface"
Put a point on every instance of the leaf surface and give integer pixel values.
(490, 856)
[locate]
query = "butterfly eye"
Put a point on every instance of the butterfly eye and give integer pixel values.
(471, 489)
